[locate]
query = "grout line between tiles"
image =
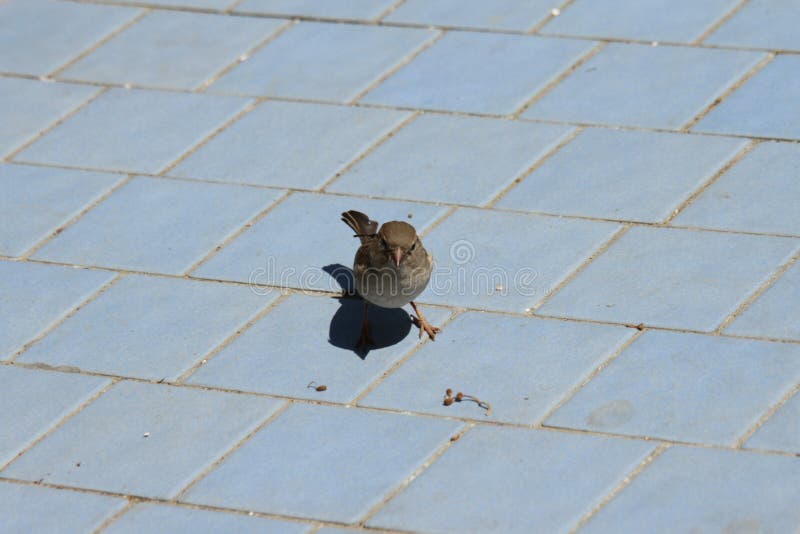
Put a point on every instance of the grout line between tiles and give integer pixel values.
(728, 91)
(60, 423)
(201, 88)
(586, 56)
(584, 264)
(588, 378)
(116, 515)
(231, 338)
(50, 127)
(717, 23)
(746, 149)
(213, 465)
(69, 222)
(389, 10)
(766, 284)
(565, 140)
(66, 315)
(122, 27)
(417, 472)
(229, 10)
(233, 235)
(372, 147)
(619, 487)
(550, 16)
(766, 416)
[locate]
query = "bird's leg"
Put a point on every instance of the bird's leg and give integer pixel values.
(424, 325)
(365, 339)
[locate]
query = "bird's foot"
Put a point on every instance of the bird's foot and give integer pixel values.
(365, 339)
(425, 326)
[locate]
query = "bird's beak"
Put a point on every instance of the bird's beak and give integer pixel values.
(397, 256)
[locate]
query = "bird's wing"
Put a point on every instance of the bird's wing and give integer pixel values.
(364, 228)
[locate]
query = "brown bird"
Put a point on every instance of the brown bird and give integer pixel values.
(391, 268)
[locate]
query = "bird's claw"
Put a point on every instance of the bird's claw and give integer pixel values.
(425, 326)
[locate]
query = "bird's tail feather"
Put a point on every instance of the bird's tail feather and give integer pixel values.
(361, 224)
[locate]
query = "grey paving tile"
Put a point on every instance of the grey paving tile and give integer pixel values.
(315, 61)
(201, 4)
(156, 225)
(774, 314)
(781, 432)
(28, 107)
(684, 387)
(143, 439)
(640, 85)
(463, 160)
(351, 9)
(269, 252)
(38, 36)
(618, 174)
(649, 20)
(289, 144)
(34, 296)
(115, 333)
(323, 462)
(479, 72)
(131, 130)
(761, 24)
(34, 201)
(173, 50)
(764, 106)
(535, 481)
(157, 519)
(759, 194)
(34, 401)
(706, 490)
(481, 262)
(519, 15)
(532, 375)
(28, 509)
(322, 349)
(671, 278)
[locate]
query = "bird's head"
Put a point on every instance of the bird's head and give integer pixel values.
(398, 240)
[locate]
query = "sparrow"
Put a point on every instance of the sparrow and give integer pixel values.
(391, 269)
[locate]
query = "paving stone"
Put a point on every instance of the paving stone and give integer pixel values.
(764, 106)
(351, 9)
(132, 130)
(641, 85)
(143, 439)
(781, 431)
(671, 278)
(706, 490)
(28, 107)
(156, 225)
(565, 475)
(774, 314)
(496, 15)
(173, 50)
(34, 401)
(522, 386)
(315, 61)
(684, 387)
(322, 349)
(268, 253)
(27, 508)
(289, 144)
(283, 469)
(463, 160)
(481, 262)
(479, 73)
(759, 194)
(114, 333)
(619, 174)
(201, 4)
(761, 24)
(155, 519)
(39, 36)
(35, 201)
(34, 296)
(647, 20)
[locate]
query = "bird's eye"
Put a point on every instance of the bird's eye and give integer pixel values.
(413, 247)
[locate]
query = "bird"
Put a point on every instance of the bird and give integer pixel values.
(391, 269)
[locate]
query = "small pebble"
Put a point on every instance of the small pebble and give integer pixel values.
(146, 435)
(555, 12)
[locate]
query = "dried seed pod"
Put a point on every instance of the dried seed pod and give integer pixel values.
(448, 392)
(321, 388)
(459, 396)
(448, 401)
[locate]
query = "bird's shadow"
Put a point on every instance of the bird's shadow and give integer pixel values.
(388, 326)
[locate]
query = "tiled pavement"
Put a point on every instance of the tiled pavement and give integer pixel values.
(610, 189)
